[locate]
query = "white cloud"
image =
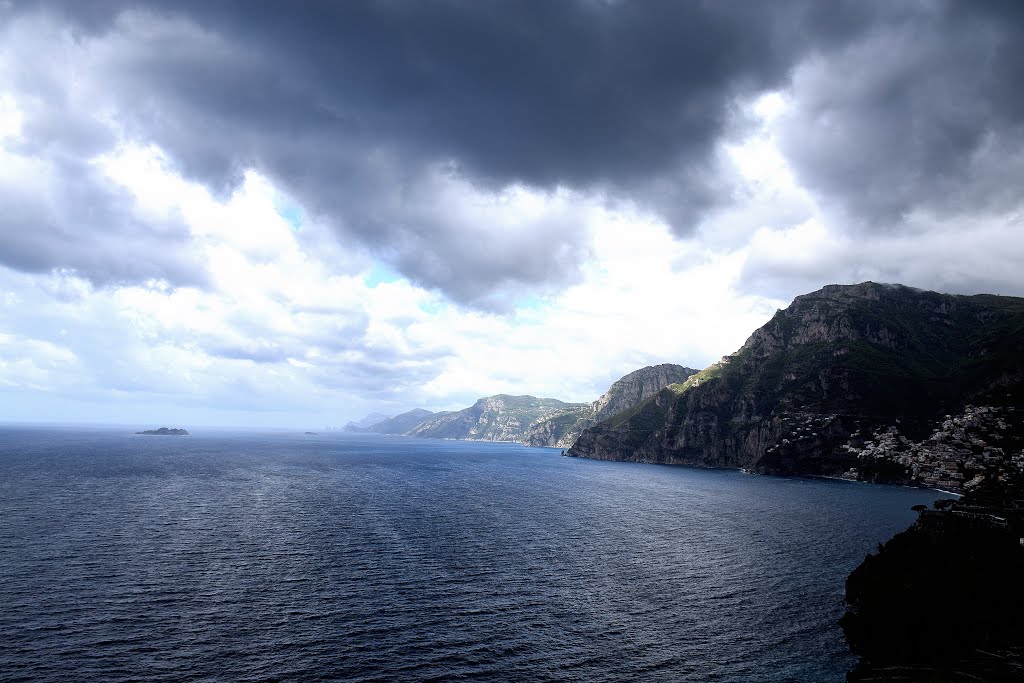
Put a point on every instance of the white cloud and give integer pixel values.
(35, 364)
(283, 325)
(788, 254)
(291, 323)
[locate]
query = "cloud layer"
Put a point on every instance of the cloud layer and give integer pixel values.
(385, 204)
(373, 114)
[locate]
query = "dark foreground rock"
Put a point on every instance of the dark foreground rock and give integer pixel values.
(944, 600)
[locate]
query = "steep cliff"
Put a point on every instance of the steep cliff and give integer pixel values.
(562, 430)
(638, 386)
(559, 430)
(495, 418)
(836, 364)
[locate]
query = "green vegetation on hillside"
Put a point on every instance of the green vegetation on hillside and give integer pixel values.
(845, 358)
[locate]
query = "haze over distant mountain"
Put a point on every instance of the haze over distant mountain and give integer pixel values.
(543, 421)
(400, 424)
(495, 418)
(367, 422)
(865, 379)
(561, 430)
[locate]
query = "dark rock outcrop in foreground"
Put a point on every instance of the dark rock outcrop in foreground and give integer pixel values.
(846, 381)
(164, 431)
(943, 601)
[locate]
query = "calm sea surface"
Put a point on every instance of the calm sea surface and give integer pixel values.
(228, 556)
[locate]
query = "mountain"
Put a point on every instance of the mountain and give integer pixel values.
(495, 418)
(367, 422)
(846, 380)
(561, 430)
(400, 424)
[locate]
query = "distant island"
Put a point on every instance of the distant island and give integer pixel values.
(164, 431)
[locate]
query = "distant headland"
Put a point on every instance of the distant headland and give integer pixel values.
(164, 431)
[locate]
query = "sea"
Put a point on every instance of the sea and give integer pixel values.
(242, 556)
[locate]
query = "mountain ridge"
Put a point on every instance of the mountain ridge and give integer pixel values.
(365, 423)
(838, 363)
(501, 417)
(399, 424)
(546, 422)
(561, 431)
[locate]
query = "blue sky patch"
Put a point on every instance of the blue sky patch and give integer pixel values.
(430, 307)
(292, 213)
(380, 273)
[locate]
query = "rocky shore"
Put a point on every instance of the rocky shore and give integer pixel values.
(943, 600)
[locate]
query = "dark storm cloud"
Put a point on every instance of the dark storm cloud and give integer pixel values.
(543, 93)
(365, 110)
(355, 106)
(83, 226)
(59, 211)
(923, 113)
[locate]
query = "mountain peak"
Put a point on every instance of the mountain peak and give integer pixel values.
(838, 361)
(561, 430)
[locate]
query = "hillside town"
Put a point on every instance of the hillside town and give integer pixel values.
(962, 452)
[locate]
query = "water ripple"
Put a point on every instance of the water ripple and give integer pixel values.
(230, 557)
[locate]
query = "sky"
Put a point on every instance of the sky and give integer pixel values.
(294, 214)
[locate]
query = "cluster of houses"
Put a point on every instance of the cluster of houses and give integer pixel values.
(957, 456)
(798, 428)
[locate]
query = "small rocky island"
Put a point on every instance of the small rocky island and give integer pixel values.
(164, 431)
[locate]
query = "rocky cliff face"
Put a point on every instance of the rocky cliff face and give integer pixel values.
(562, 430)
(495, 418)
(559, 430)
(839, 362)
(638, 386)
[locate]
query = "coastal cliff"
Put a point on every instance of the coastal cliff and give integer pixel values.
(532, 421)
(942, 600)
(811, 391)
(494, 418)
(562, 430)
